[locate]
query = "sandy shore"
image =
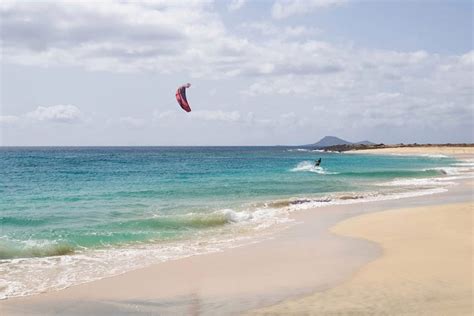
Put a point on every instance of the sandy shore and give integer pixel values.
(297, 261)
(426, 267)
(427, 256)
(460, 152)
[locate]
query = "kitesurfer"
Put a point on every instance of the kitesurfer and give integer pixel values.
(181, 97)
(317, 162)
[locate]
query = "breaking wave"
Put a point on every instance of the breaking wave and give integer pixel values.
(308, 166)
(419, 155)
(299, 150)
(10, 249)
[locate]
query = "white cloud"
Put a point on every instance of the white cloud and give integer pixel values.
(164, 37)
(383, 97)
(282, 64)
(395, 58)
(218, 115)
(132, 121)
(8, 119)
(56, 113)
(268, 29)
(289, 120)
(158, 115)
(235, 5)
(468, 58)
(285, 8)
(203, 115)
(422, 90)
(128, 36)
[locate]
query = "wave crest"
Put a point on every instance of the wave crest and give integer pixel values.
(12, 250)
(308, 166)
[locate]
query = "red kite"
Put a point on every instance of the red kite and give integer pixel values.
(181, 97)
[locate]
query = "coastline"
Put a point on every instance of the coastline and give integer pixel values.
(426, 262)
(237, 279)
(455, 151)
(227, 282)
(237, 157)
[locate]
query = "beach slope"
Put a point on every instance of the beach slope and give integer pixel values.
(456, 151)
(426, 268)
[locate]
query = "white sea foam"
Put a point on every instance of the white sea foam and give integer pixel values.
(37, 243)
(457, 171)
(433, 155)
(417, 155)
(368, 197)
(308, 166)
(423, 182)
(259, 217)
(454, 170)
(236, 217)
(299, 150)
(311, 150)
(27, 276)
(464, 164)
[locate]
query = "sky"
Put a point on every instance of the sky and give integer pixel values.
(268, 72)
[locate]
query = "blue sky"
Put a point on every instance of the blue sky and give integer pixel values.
(263, 72)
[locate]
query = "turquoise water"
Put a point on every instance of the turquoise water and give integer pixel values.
(73, 215)
(56, 201)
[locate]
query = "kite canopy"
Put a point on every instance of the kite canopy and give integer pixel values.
(181, 97)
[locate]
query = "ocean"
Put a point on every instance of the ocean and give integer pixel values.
(69, 215)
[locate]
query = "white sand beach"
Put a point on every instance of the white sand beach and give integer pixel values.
(425, 269)
(457, 151)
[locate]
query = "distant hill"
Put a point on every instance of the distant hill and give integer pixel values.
(328, 141)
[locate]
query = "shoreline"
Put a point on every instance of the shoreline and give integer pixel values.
(240, 227)
(240, 279)
(426, 263)
(236, 280)
(209, 280)
(453, 151)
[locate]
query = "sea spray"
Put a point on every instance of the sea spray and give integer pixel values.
(308, 166)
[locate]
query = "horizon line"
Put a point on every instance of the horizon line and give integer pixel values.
(306, 145)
